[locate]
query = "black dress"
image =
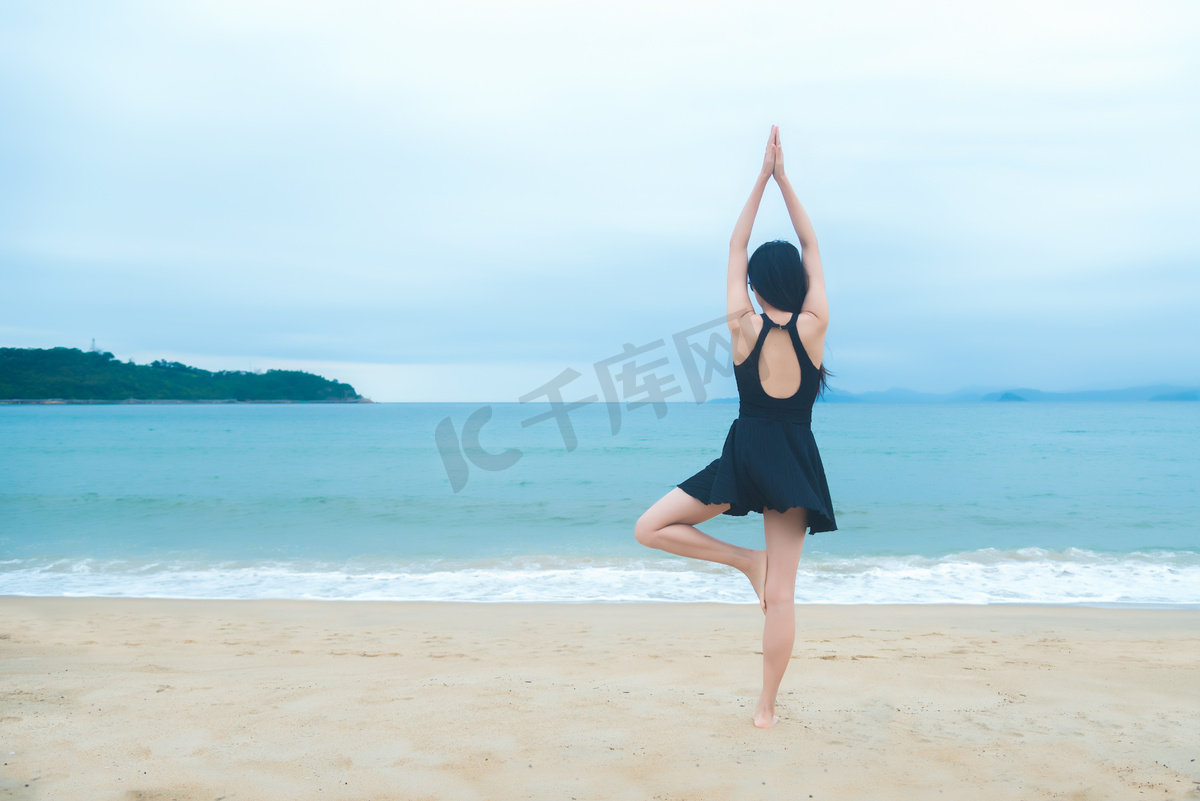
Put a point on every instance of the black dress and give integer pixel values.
(770, 459)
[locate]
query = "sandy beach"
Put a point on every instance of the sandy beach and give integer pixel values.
(149, 699)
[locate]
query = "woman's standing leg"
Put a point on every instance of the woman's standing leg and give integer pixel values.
(785, 538)
(670, 525)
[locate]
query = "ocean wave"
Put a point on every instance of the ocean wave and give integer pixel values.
(988, 576)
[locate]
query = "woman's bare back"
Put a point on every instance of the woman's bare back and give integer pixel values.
(778, 362)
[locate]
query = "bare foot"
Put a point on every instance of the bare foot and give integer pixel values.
(758, 577)
(765, 720)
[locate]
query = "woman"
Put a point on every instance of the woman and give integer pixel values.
(770, 463)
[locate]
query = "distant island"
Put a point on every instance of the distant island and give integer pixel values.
(70, 375)
(1154, 392)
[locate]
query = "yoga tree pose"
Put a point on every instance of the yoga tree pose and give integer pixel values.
(769, 463)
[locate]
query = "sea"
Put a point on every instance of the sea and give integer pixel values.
(963, 503)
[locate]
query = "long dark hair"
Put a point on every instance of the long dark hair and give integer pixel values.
(777, 273)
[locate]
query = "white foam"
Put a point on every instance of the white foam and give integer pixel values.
(980, 577)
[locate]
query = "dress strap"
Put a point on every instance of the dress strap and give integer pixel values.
(762, 337)
(801, 351)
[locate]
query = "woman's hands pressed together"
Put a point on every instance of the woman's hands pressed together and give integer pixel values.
(773, 158)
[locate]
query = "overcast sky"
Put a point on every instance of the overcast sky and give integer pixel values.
(456, 201)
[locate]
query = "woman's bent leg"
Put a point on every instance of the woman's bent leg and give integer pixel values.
(670, 525)
(785, 539)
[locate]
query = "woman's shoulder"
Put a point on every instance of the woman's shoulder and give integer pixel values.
(744, 329)
(748, 320)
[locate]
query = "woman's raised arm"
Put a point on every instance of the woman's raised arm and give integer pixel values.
(737, 296)
(815, 302)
